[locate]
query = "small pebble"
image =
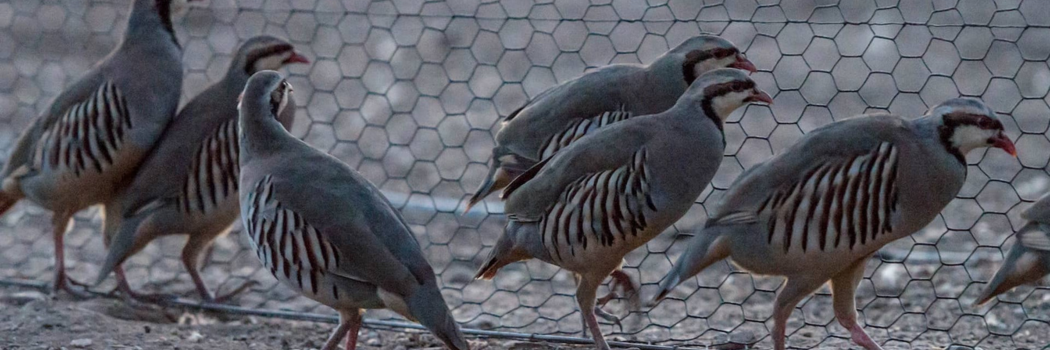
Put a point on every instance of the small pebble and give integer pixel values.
(195, 337)
(374, 342)
(81, 343)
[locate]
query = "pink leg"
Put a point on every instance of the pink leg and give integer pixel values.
(60, 221)
(355, 327)
(191, 258)
(125, 288)
(585, 296)
(843, 288)
(795, 289)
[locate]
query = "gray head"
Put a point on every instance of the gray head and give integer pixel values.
(706, 52)
(966, 124)
(266, 95)
(721, 91)
(265, 53)
(163, 9)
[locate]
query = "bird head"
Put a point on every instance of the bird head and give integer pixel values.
(266, 53)
(267, 93)
(967, 124)
(703, 53)
(722, 91)
(173, 7)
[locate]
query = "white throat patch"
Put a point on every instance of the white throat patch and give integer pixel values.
(724, 105)
(710, 64)
(284, 103)
(968, 137)
(272, 62)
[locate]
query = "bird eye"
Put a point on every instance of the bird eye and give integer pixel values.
(986, 123)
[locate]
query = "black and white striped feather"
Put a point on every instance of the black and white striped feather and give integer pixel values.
(841, 203)
(212, 179)
(580, 128)
(600, 208)
(88, 136)
(288, 246)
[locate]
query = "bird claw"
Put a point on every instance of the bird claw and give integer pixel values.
(75, 288)
(621, 279)
(608, 317)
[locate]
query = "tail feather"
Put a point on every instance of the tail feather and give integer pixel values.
(705, 249)
(492, 181)
(429, 308)
(502, 171)
(123, 242)
(1021, 266)
(503, 253)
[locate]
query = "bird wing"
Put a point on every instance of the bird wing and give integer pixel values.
(69, 107)
(598, 189)
(202, 144)
(1035, 238)
(579, 128)
(836, 186)
(1039, 211)
(212, 173)
(285, 242)
(335, 222)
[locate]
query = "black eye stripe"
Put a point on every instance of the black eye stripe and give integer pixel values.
(697, 56)
(277, 96)
(725, 88)
(957, 119)
(263, 52)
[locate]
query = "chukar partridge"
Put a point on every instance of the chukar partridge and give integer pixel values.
(603, 196)
(820, 209)
(325, 231)
(1029, 259)
(188, 184)
(607, 95)
(98, 130)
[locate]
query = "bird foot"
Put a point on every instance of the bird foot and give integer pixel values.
(862, 338)
(75, 288)
(226, 297)
(608, 317)
(622, 280)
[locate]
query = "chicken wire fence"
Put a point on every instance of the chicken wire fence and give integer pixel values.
(410, 93)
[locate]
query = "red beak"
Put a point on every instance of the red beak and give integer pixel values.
(760, 96)
(1002, 141)
(296, 58)
(743, 63)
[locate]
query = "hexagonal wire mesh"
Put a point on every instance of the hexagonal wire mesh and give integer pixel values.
(410, 92)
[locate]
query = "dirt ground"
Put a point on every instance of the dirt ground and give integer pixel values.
(30, 320)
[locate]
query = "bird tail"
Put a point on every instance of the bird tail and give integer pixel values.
(1021, 266)
(429, 309)
(503, 253)
(122, 235)
(497, 178)
(708, 247)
